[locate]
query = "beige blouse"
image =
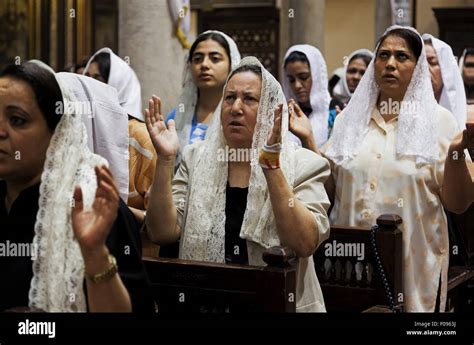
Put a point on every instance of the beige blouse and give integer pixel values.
(311, 173)
(377, 182)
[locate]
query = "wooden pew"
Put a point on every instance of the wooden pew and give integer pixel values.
(346, 291)
(192, 286)
(461, 272)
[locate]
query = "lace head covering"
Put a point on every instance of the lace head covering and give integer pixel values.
(123, 78)
(416, 134)
(203, 235)
(58, 271)
(341, 90)
(189, 95)
(453, 96)
(319, 95)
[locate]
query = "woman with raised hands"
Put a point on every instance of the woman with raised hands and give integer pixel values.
(215, 204)
(387, 151)
(305, 84)
(60, 200)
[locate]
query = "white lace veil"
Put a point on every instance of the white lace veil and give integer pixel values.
(203, 235)
(341, 90)
(123, 78)
(189, 96)
(319, 96)
(416, 129)
(58, 271)
(453, 96)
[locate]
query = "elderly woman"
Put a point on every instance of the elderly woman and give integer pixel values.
(224, 210)
(388, 151)
(59, 200)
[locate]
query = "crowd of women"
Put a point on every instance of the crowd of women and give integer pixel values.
(77, 183)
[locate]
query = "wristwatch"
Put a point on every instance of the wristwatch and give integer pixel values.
(105, 276)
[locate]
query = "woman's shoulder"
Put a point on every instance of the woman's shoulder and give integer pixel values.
(445, 122)
(309, 161)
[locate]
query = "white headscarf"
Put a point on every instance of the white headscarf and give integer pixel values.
(416, 131)
(341, 90)
(58, 271)
(124, 79)
(189, 96)
(319, 95)
(203, 235)
(453, 96)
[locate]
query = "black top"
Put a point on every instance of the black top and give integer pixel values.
(17, 227)
(235, 247)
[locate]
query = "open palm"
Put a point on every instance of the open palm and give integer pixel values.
(299, 123)
(164, 139)
(91, 227)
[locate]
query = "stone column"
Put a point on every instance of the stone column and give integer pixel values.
(301, 21)
(146, 37)
(383, 17)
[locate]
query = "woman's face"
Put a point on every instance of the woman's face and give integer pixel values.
(394, 66)
(24, 133)
(94, 72)
(240, 107)
(435, 69)
(299, 77)
(355, 72)
(210, 65)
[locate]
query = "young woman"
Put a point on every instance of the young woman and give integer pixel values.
(108, 68)
(211, 58)
(305, 84)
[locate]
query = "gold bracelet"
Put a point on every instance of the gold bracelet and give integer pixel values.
(105, 276)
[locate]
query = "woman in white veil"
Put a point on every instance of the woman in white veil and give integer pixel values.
(210, 59)
(305, 82)
(446, 79)
(253, 118)
(70, 210)
(388, 150)
(354, 69)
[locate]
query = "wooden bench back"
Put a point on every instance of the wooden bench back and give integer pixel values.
(336, 262)
(191, 286)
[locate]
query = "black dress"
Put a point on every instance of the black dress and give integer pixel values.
(17, 227)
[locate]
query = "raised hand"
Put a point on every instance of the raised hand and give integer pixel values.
(91, 227)
(275, 135)
(464, 140)
(164, 138)
(298, 122)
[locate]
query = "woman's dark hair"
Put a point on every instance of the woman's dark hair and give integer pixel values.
(44, 85)
(247, 68)
(103, 60)
(296, 56)
(364, 57)
(411, 38)
(210, 36)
